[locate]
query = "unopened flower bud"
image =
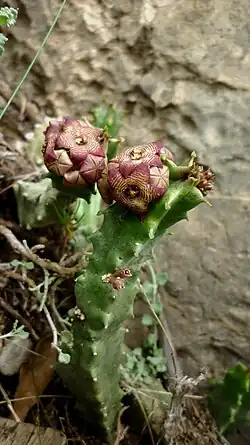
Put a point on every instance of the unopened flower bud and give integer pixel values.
(75, 151)
(137, 176)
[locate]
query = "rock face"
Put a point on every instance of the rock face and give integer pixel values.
(180, 69)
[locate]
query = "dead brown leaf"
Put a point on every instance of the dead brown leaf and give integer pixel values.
(34, 377)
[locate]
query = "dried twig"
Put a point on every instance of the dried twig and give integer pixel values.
(73, 259)
(46, 288)
(120, 430)
(9, 404)
(5, 266)
(53, 329)
(12, 240)
(18, 317)
(140, 403)
(170, 353)
(174, 369)
(11, 225)
(19, 277)
(26, 252)
(63, 323)
(33, 287)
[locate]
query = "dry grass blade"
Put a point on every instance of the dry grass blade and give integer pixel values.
(189, 421)
(121, 430)
(9, 404)
(170, 353)
(145, 416)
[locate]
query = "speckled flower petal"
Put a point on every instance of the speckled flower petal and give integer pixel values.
(74, 149)
(74, 178)
(137, 176)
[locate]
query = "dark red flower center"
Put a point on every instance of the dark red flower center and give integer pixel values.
(132, 191)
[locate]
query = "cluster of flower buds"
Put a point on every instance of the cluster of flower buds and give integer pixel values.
(134, 178)
(206, 178)
(75, 151)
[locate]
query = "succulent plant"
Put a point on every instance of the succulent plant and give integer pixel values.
(143, 179)
(105, 291)
(75, 151)
(136, 177)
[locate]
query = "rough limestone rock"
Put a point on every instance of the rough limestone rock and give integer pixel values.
(180, 69)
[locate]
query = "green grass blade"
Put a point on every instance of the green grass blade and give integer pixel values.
(34, 60)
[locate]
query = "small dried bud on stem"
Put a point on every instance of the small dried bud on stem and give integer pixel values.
(204, 176)
(206, 179)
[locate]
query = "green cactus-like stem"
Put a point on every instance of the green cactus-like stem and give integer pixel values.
(39, 204)
(96, 344)
(110, 118)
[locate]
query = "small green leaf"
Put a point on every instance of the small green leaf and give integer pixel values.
(152, 340)
(25, 264)
(137, 352)
(229, 399)
(148, 380)
(161, 367)
(149, 289)
(157, 307)
(3, 40)
(64, 358)
(15, 263)
(130, 362)
(3, 19)
(162, 278)
(19, 331)
(8, 16)
(22, 334)
(147, 320)
(66, 337)
(155, 360)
